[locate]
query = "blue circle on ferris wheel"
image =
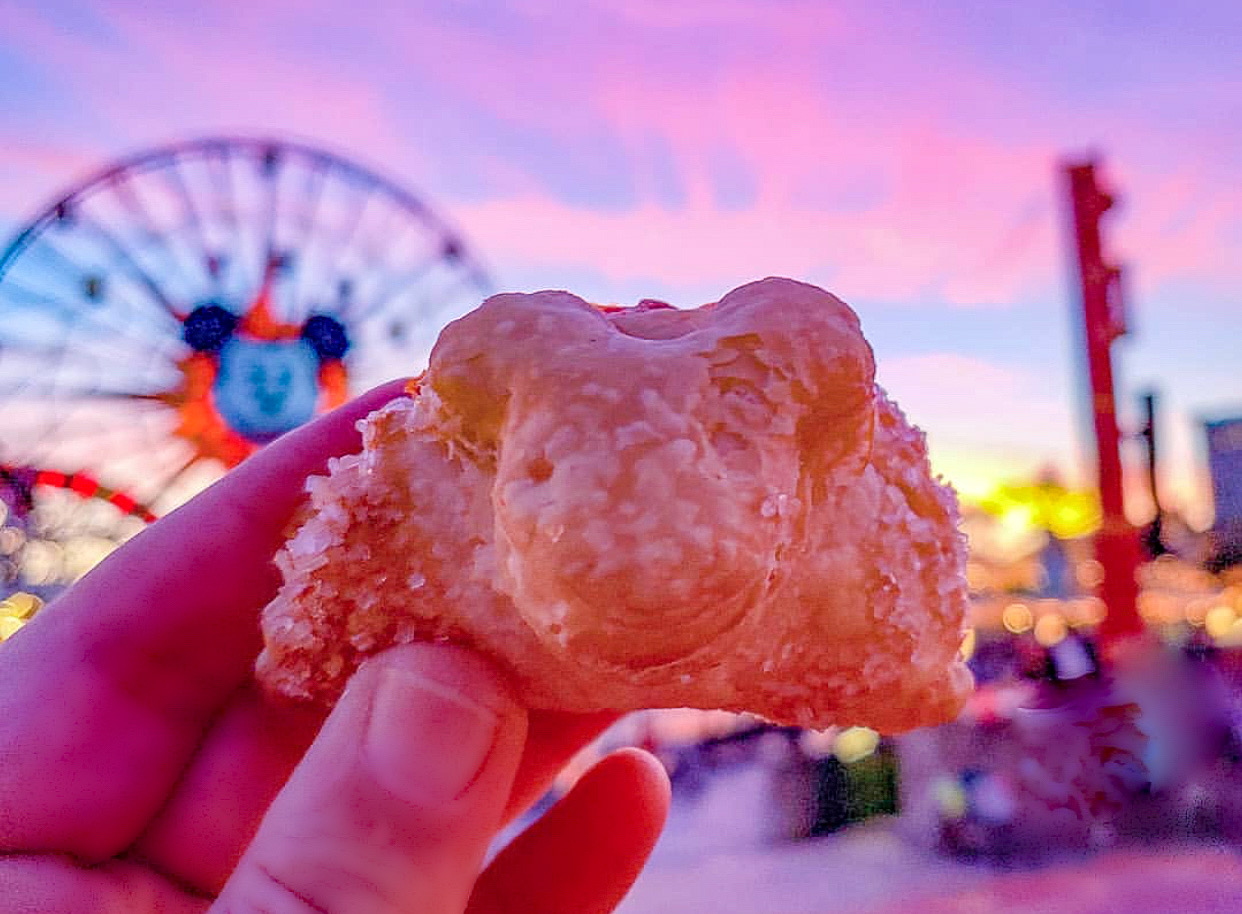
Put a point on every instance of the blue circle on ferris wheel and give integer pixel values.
(266, 388)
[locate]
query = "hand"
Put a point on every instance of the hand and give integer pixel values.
(141, 771)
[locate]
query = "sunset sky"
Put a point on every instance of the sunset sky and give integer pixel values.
(902, 155)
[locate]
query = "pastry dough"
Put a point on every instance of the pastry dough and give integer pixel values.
(640, 508)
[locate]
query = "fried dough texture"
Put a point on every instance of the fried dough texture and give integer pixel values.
(642, 508)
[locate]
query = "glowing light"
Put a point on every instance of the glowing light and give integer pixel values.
(1091, 611)
(977, 576)
(1017, 618)
(1232, 636)
(1219, 620)
(855, 744)
(950, 798)
(1045, 505)
(1018, 517)
(1149, 606)
(1051, 629)
(1090, 574)
(1074, 514)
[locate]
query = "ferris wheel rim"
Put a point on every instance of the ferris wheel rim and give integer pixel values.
(314, 150)
(302, 168)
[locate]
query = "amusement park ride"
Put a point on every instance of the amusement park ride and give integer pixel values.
(179, 309)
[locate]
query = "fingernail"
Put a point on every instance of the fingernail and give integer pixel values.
(427, 741)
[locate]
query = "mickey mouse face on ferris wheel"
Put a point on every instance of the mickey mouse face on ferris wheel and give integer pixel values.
(264, 387)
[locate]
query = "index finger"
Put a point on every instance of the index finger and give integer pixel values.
(104, 696)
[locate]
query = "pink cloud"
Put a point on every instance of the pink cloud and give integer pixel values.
(1029, 423)
(160, 83)
(1181, 226)
(902, 249)
(873, 160)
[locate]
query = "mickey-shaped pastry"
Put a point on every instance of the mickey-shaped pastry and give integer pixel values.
(641, 508)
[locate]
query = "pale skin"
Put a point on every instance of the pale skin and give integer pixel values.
(142, 770)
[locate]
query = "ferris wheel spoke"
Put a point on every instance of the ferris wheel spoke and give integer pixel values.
(312, 193)
(70, 442)
(339, 244)
(76, 321)
(81, 331)
(149, 228)
(228, 200)
(360, 312)
(20, 423)
(93, 386)
(170, 479)
(382, 236)
(65, 265)
(431, 300)
(269, 169)
(220, 173)
(93, 309)
(130, 264)
(206, 255)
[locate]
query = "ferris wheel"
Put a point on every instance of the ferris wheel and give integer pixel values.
(182, 307)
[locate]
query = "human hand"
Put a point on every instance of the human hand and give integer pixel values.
(140, 770)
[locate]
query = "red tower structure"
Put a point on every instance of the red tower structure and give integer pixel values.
(1103, 321)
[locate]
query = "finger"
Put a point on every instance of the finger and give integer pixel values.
(199, 835)
(104, 695)
(175, 606)
(215, 809)
(554, 738)
(58, 885)
(393, 807)
(587, 850)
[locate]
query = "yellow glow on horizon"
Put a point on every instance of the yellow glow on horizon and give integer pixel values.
(1066, 513)
(976, 479)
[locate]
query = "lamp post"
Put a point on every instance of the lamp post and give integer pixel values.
(1103, 321)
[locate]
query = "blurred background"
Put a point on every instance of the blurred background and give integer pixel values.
(217, 221)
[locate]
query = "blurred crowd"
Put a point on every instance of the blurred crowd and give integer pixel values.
(1060, 753)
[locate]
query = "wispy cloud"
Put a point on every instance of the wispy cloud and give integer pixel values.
(671, 144)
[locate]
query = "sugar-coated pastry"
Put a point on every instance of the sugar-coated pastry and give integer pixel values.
(642, 508)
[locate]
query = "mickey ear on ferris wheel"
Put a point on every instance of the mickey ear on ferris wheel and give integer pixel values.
(326, 335)
(208, 327)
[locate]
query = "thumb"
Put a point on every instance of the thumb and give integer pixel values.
(395, 803)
